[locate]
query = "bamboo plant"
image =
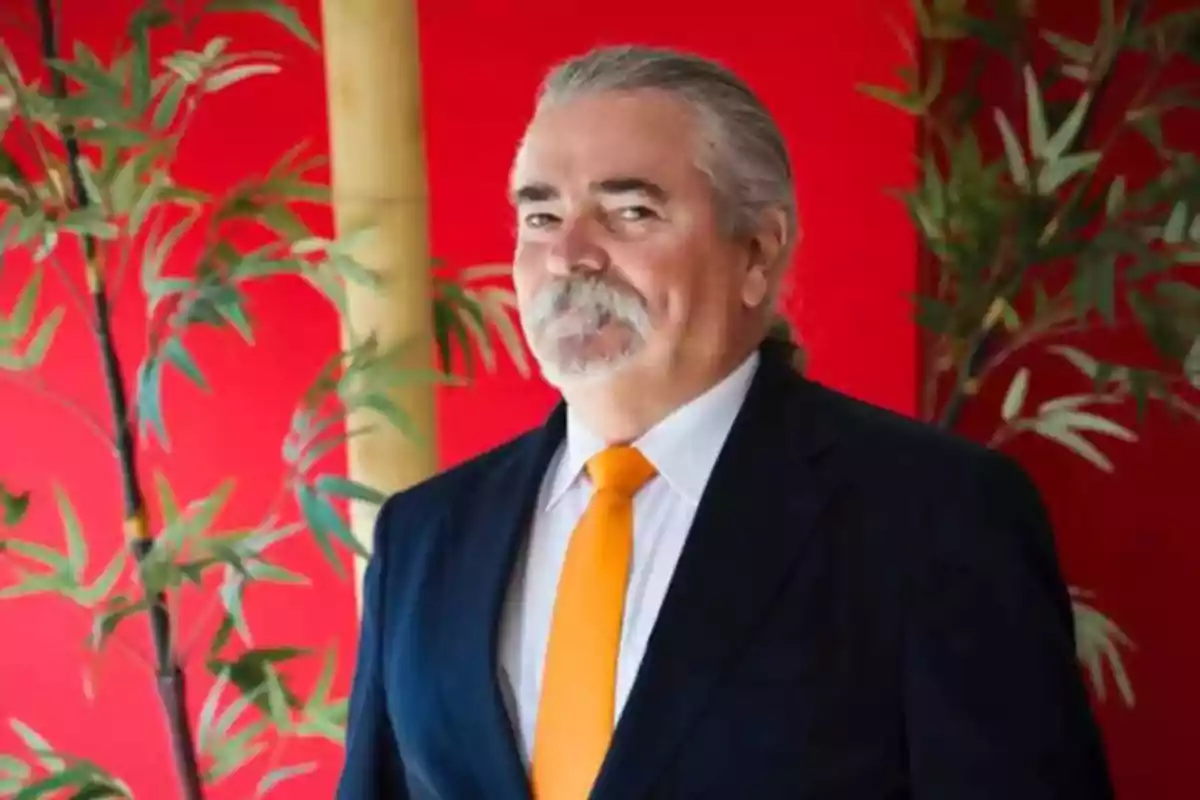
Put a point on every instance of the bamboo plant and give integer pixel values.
(89, 197)
(1034, 240)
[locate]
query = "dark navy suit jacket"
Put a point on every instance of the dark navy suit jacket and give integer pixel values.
(865, 609)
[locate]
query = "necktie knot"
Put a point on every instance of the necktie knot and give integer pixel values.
(621, 469)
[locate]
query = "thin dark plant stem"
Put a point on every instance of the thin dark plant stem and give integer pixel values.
(170, 678)
(976, 345)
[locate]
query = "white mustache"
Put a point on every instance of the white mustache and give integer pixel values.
(581, 306)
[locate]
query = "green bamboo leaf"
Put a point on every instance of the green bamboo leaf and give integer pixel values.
(471, 317)
(11, 221)
(35, 352)
(98, 591)
(176, 353)
(230, 716)
(278, 776)
(1036, 114)
(10, 169)
(154, 256)
(49, 786)
(40, 584)
(114, 136)
(46, 556)
(13, 774)
(1065, 136)
(152, 14)
(499, 308)
(275, 9)
(1055, 429)
(324, 521)
(254, 671)
(168, 106)
(116, 610)
(1061, 170)
(934, 315)
(1098, 643)
(123, 188)
(1149, 125)
(13, 506)
(228, 77)
(446, 323)
(98, 789)
(1014, 399)
(22, 314)
(1191, 364)
(391, 411)
(1158, 326)
(1073, 50)
(77, 549)
(350, 269)
(37, 745)
(345, 487)
(200, 514)
(1085, 363)
(149, 195)
(1087, 421)
(232, 754)
(1094, 285)
(277, 702)
(1116, 197)
(208, 711)
(149, 401)
(906, 101)
(322, 716)
(168, 506)
(140, 82)
(1176, 226)
(1181, 294)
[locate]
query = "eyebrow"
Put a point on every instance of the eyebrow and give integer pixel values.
(540, 192)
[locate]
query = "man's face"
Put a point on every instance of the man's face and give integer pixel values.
(620, 259)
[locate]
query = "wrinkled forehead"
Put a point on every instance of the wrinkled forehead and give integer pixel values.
(584, 141)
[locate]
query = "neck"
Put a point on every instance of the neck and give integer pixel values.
(623, 407)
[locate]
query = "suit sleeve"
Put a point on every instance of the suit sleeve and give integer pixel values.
(994, 697)
(373, 769)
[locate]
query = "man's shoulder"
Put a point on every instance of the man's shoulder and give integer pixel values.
(903, 445)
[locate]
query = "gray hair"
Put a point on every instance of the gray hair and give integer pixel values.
(744, 154)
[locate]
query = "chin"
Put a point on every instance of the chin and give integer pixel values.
(563, 364)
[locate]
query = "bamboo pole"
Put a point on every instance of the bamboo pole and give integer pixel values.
(377, 158)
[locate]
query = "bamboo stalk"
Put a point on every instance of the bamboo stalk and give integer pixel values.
(377, 159)
(170, 677)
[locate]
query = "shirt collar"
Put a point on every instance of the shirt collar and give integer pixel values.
(683, 447)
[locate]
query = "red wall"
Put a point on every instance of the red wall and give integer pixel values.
(481, 61)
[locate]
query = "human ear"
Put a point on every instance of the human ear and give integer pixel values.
(763, 268)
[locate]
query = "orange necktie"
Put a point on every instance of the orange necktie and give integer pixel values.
(576, 710)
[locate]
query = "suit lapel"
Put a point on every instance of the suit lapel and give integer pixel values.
(493, 528)
(761, 502)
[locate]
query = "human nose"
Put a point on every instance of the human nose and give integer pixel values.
(575, 249)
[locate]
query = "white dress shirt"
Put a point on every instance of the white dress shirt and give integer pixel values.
(683, 448)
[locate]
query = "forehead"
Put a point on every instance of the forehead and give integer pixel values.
(644, 134)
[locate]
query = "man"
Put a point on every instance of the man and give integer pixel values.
(705, 576)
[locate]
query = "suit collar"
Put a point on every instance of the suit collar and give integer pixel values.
(682, 447)
(754, 521)
(763, 483)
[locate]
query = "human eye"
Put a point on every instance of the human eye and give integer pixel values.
(636, 213)
(538, 220)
